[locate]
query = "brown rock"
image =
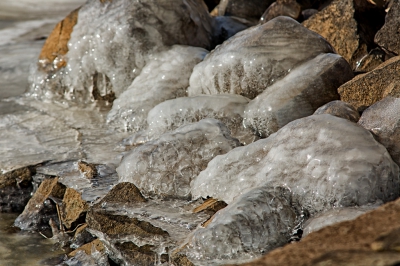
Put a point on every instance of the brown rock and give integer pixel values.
(337, 25)
(56, 44)
(89, 247)
(339, 109)
(124, 192)
(143, 255)
(357, 258)
(342, 238)
(181, 260)
(370, 61)
(87, 169)
(289, 8)
(366, 89)
(388, 37)
(72, 207)
(21, 176)
(387, 242)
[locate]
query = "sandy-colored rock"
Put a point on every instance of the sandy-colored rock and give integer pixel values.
(388, 37)
(337, 25)
(143, 255)
(343, 238)
(366, 89)
(357, 258)
(339, 109)
(89, 248)
(124, 192)
(72, 207)
(289, 8)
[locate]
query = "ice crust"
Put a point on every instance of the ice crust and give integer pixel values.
(167, 165)
(257, 222)
(112, 40)
(298, 94)
(325, 162)
(165, 76)
(255, 58)
(228, 108)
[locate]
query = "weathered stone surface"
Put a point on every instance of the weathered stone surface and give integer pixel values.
(73, 207)
(89, 248)
(388, 37)
(250, 10)
(289, 8)
(346, 242)
(87, 169)
(366, 89)
(38, 211)
(382, 119)
(256, 58)
(306, 88)
(337, 25)
(370, 61)
(124, 192)
(339, 109)
(135, 255)
(167, 165)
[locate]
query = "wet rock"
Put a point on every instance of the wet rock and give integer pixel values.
(107, 33)
(297, 95)
(89, 248)
(310, 157)
(87, 169)
(225, 27)
(15, 189)
(124, 193)
(339, 109)
(349, 241)
(39, 209)
(73, 207)
(256, 58)
(81, 237)
(167, 165)
(289, 8)
(337, 25)
(388, 37)
(227, 108)
(250, 10)
(382, 120)
(307, 13)
(366, 89)
(388, 241)
(255, 223)
(370, 61)
(144, 255)
(165, 76)
(96, 258)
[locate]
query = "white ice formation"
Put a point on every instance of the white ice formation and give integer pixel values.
(167, 165)
(165, 76)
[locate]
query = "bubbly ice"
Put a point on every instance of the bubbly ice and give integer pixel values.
(325, 162)
(228, 108)
(255, 58)
(165, 76)
(298, 94)
(166, 166)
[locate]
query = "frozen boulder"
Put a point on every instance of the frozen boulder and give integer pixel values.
(110, 43)
(298, 94)
(255, 58)
(166, 166)
(325, 162)
(228, 108)
(339, 109)
(165, 76)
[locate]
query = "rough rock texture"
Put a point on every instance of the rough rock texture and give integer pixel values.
(167, 165)
(388, 37)
(289, 8)
(250, 10)
(256, 58)
(382, 119)
(72, 207)
(255, 223)
(36, 212)
(125, 193)
(366, 89)
(370, 61)
(339, 109)
(346, 243)
(108, 33)
(337, 25)
(165, 76)
(297, 95)
(312, 158)
(227, 108)
(89, 248)
(15, 189)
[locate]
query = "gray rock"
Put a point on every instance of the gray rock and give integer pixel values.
(289, 8)
(339, 109)
(388, 37)
(250, 10)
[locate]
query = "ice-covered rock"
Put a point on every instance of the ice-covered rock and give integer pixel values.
(165, 76)
(382, 119)
(111, 41)
(325, 162)
(167, 165)
(255, 58)
(255, 223)
(228, 108)
(298, 94)
(339, 109)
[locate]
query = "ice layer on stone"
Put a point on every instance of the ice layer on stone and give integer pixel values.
(165, 76)
(228, 108)
(325, 162)
(167, 165)
(255, 58)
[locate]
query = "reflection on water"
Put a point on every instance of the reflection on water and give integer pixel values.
(24, 248)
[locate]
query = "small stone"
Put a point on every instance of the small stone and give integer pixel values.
(370, 61)
(124, 192)
(366, 89)
(388, 37)
(73, 207)
(289, 8)
(339, 109)
(250, 10)
(89, 248)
